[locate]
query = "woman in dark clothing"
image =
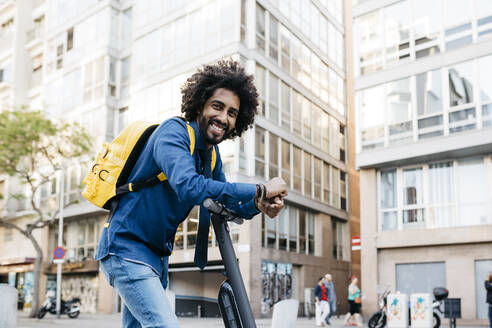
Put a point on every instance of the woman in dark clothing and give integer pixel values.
(488, 288)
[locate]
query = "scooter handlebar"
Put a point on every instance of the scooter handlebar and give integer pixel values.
(220, 209)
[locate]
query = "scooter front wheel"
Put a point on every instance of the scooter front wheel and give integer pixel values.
(41, 313)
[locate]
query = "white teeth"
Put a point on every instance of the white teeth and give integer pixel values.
(215, 127)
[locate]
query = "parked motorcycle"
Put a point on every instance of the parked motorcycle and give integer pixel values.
(378, 319)
(70, 308)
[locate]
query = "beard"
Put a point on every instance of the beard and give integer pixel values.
(204, 126)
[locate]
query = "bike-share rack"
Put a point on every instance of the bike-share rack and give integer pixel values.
(233, 301)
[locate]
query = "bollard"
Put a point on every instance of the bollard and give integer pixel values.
(8, 306)
(199, 311)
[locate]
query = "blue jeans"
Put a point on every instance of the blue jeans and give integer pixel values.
(490, 315)
(333, 308)
(146, 303)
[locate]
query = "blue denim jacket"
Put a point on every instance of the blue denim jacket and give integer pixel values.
(143, 226)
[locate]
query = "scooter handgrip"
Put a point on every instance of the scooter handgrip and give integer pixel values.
(212, 206)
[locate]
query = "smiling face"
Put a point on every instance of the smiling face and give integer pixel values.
(218, 117)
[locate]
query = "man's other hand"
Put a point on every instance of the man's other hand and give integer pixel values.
(276, 187)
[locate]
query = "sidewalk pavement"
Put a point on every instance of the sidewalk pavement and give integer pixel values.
(114, 321)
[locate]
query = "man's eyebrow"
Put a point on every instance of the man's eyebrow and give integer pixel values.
(218, 101)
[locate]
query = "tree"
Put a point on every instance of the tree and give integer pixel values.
(32, 148)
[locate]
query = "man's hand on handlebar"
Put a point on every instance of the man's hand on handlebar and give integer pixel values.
(273, 202)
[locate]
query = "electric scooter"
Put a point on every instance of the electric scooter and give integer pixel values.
(233, 301)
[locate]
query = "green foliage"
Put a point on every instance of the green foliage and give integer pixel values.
(28, 141)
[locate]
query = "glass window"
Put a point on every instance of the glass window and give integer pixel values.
(399, 108)
(297, 168)
(283, 230)
(426, 26)
(429, 93)
(273, 160)
(474, 207)
(273, 42)
(371, 111)
(335, 187)
(302, 231)
(412, 186)
(388, 189)
(484, 13)
(460, 84)
(286, 162)
(412, 195)
(369, 29)
(441, 194)
(259, 152)
(310, 233)
(271, 228)
(285, 37)
(273, 98)
(317, 178)
(456, 12)
(457, 23)
(306, 118)
(307, 174)
(325, 132)
(260, 80)
(285, 94)
(292, 228)
(397, 32)
(317, 126)
(260, 27)
(297, 112)
(326, 182)
(296, 58)
(485, 78)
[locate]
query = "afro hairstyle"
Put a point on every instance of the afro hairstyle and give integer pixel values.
(226, 74)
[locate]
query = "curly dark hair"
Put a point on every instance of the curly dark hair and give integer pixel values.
(227, 74)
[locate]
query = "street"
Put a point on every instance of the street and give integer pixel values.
(114, 321)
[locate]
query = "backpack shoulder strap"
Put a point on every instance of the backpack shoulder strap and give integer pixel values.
(214, 157)
(191, 133)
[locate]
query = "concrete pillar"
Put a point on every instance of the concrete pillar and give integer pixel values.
(8, 306)
(368, 227)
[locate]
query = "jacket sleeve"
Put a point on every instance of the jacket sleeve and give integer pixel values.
(245, 210)
(488, 285)
(172, 156)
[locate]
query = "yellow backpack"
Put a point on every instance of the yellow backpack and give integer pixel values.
(115, 161)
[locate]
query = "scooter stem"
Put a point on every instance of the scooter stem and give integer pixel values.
(232, 270)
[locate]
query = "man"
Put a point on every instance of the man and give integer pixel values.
(219, 102)
(332, 297)
(321, 298)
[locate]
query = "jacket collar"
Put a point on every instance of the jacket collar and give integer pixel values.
(200, 143)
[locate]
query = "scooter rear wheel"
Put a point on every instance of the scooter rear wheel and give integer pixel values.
(437, 320)
(73, 315)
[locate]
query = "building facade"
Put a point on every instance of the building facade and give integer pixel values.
(108, 63)
(424, 143)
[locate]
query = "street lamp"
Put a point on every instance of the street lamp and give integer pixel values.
(60, 242)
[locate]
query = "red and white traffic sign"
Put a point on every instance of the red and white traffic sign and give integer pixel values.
(356, 243)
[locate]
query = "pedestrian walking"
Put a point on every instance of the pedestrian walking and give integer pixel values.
(488, 288)
(353, 318)
(332, 297)
(322, 305)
